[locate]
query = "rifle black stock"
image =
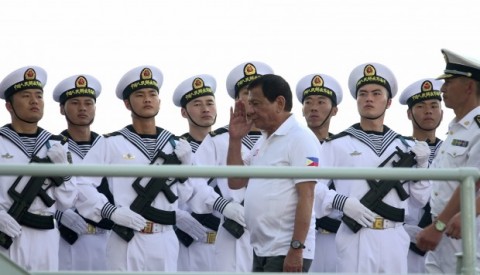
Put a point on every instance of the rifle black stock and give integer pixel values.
(379, 189)
(23, 200)
(146, 195)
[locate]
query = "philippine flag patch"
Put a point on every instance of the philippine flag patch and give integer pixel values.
(311, 161)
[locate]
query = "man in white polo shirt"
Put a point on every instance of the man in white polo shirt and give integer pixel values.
(278, 212)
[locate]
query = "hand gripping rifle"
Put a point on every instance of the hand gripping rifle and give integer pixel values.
(146, 195)
(23, 200)
(379, 189)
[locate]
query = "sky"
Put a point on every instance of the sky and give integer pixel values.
(107, 38)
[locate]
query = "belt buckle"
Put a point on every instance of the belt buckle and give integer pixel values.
(378, 223)
(148, 229)
(211, 236)
(91, 229)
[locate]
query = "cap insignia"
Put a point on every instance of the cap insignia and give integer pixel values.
(427, 86)
(198, 83)
(146, 74)
(81, 82)
(249, 69)
(30, 74)
(369, 70)
(317, 81)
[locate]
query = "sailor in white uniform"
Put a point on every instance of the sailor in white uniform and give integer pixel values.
(320, 95)
(424, 102)
(371, 238)
(27, 204)
(196, 98)
(82, 244)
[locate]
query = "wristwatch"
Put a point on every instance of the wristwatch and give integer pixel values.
(440, 226)
(295, 244)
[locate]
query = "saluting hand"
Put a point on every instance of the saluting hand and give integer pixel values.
(239, 124)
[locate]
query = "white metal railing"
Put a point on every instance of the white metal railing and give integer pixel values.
(467, 177)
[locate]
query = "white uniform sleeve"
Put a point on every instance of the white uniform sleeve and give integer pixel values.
(323, 199)
(66, 194)
(419, 191)
(198, 195)
(323, 195)
(90, 202)
(206, 153)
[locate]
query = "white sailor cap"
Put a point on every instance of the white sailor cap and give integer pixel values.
(75, 86)
(29, 77)
(458, 65)
(139, 78)
(243, 74)
(421, 90)
(372, 73)
(194, 87)
(319, 84)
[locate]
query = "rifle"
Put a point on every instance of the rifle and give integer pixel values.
(23, 200)
(379, 189)
(146, 195)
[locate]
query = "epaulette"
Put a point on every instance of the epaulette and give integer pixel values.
(339, 135)
(112, 134)
(477, 120)
(219, 131)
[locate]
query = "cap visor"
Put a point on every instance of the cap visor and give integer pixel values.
(443, 76)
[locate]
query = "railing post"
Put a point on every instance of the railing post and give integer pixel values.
(469, 227)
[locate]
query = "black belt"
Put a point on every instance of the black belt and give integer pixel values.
(37, 221)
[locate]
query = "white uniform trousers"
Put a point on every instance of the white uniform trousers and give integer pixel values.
(372, 250)
(35, 249)
(199, 256)
(416, 263)
(144, 252)
(87, 253)
(231, 254)
(325, 253)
